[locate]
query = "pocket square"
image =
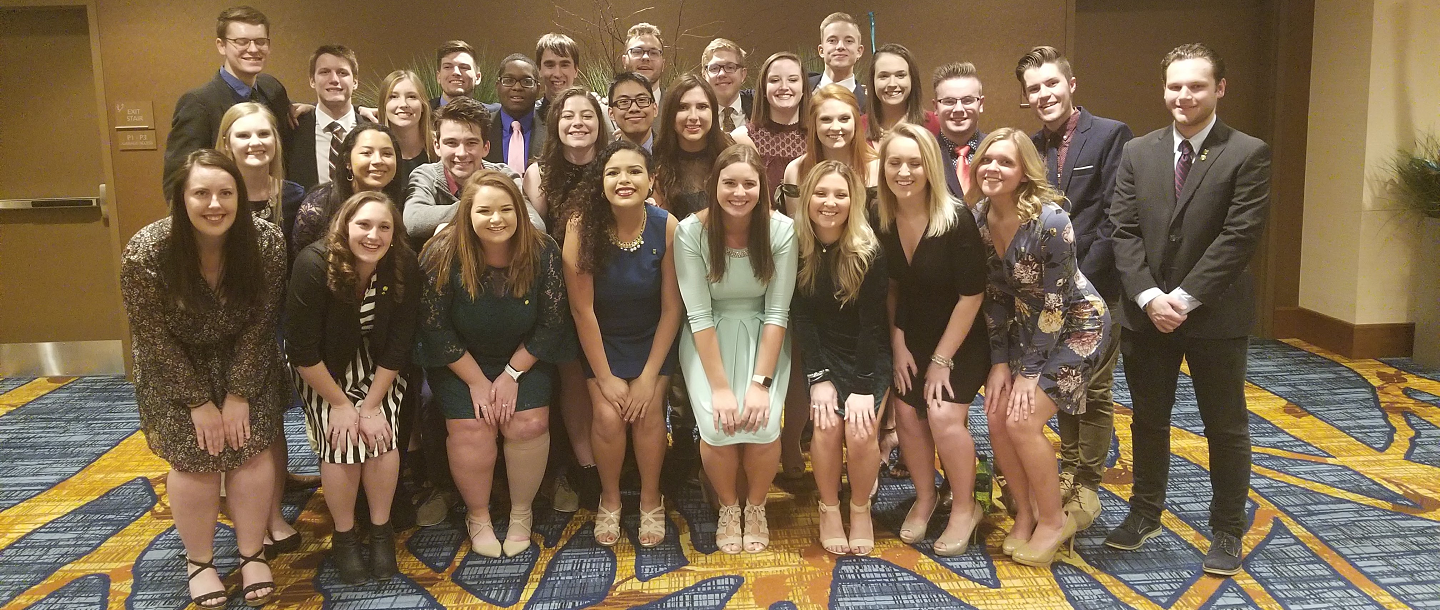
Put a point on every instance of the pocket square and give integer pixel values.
(1083, 167)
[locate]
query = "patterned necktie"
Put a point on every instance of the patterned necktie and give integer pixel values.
(515, 153)
(729, 121)
(337, 137)
(1182, 168)
(962, 167)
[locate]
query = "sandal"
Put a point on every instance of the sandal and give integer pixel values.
(607, 526)
(950, 547)
(519, 522)
(213, 599)
(652, 524)
(835, 545)
(757, 528)
(256, 602)
(856, 544)
(474, 527)
(727, 530)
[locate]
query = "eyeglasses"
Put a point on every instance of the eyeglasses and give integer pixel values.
(624, 103)
(728, 68)
(241, 43)
(510, 81)
(642, 52)
(968, 101)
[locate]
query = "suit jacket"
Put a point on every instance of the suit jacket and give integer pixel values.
(1201, 241)
(300, 151)
(497, 140)
(195, 123)
(322, 328)
(859, 90)
(1088, 180)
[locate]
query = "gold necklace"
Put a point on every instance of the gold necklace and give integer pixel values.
(631, 245)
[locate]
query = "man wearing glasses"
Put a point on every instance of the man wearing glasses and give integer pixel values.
(723, 64)
(959, 100)
(242, 37)
(633, 109)
(516, 128)
(645, 55)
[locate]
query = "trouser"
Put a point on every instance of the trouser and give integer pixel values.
(1085, 438)
(1217, 368)
(434, 460)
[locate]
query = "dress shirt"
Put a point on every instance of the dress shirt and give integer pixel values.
(241, 89)
(848, 83)
(527, 129)
(1064, 148)
(1190, 302)
(322, 140)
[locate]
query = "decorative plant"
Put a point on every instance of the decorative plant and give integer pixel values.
(1416, 176)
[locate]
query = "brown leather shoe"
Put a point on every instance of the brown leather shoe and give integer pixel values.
(297, 482)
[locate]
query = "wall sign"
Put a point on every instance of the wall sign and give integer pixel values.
(134, 115)
(137, 139)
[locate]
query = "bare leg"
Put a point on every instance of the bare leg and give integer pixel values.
(1037, 458)
(607, 440)
(471, 449)
(341, 483)
(649, 433)
(957, 454)
(826, 458)
(195, 503)
(759, 465)
(527, 448)
(279, 528)
(862, 460)
(379, 475)
(722, 463)
(252, 488)
(1008, 461)
(576, 410)
(917, 449)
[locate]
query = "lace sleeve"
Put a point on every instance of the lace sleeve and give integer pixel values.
(553, 339)
(437, 344)
(309, 220)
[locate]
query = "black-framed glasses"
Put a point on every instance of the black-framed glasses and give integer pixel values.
(241, 43)
(510, 81)
(624, 103)
(968, 101)
(727, 68)
(640, 52)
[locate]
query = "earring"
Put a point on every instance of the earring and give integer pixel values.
(349, 174)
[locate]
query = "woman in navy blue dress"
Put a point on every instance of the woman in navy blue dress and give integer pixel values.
(620, 272)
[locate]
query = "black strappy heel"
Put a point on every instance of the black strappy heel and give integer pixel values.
(213, 599)
(248, 589)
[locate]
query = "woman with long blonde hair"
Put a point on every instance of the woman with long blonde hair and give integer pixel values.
(250, 137)
(405, 111)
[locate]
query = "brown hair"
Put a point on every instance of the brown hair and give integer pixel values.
(954, 69)
(340, 275)
(667, 144)
(761, 110)
(913, 112)
(1195, 50)
(762, 260)
(468, 111)
(559, 44)
(552, 155)
(858, 245)
(453, 46)
(240, 14)
(1039, 56)
(644, 29)
(242, 280)
(338, 50)
(859, 152)
(457, 243)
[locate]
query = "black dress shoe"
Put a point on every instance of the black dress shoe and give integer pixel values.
(283, 545)
(382, 552)
(1132, 533)
(345, 552)
(1224, 556)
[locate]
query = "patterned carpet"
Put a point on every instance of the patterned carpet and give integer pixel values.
(1345, 503)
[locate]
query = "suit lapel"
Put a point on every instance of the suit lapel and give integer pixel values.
(1205, 158)
(1077, 144)
(1164, 151)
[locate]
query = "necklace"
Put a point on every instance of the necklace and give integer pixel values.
(631, 245)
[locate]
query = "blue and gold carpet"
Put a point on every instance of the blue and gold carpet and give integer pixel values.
(1345, 504)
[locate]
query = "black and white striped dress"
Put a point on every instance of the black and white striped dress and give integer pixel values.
(355, 383)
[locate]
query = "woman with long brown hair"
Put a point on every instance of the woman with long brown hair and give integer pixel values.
(777, 122)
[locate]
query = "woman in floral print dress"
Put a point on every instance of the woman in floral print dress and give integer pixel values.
(1047, 325)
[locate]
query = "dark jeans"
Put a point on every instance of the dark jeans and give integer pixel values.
(1217, 367)
(1085, 438)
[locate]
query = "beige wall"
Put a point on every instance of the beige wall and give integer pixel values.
(1377, 85)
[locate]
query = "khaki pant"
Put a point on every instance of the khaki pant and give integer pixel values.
(1085, 438)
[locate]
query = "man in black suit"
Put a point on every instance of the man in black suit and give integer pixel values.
(840, 48)
(242, 37)
(313, 153)
(1082, 154)
(517, 132)
(455, 72)
(1189, 207)
(723, 65)
(959, 102)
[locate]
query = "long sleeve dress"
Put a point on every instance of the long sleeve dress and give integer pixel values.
(738, 307)
(186, 357)
(847, 345)
(1045, 318)
(490, 326)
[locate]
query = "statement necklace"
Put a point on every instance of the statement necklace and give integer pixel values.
(631, 245)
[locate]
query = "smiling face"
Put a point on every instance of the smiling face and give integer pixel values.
(693, 119)
(633, 121)
(830, 205)
(738, 190)
(371, 231)
(557, 72)
(372, 160)
(211, 199)
(1050, 94)
(493, 215)
(783, 84)
(404, 106)
(518, 88)
(904, 168)
(835, 124)
(999, 169)
(643, 54)
(627, 182)
(252, 142)
(726, 84)
(959, 103)
(840, 46)
(1191, 93)
(333, 80)
(249, 60)
(579, 124)
(456, 74)
(892, 79)
(460, 148)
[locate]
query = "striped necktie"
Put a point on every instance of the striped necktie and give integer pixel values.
(337, 137)
(1182, 168)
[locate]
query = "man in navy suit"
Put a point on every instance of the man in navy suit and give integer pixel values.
(517, 131)
(840, 48)
(1082, 153)
(1189, 207)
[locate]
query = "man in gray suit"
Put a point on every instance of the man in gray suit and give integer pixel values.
(1189, 208)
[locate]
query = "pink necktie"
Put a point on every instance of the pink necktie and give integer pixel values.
(962, 167)
(515, 154)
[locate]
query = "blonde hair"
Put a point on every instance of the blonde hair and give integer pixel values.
(458, 244)
(858, 152)
(277, 159)
(721, 44)
(834, 18)
(1034, 191)
(857, 245)
(644, 29)
(427, 120)
(940, 207)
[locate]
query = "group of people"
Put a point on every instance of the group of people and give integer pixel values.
(687, 267)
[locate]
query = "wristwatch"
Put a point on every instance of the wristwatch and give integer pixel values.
(764, 381)
(513, 372)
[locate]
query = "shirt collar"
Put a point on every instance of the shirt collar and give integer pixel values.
(450, 182)
(1199, 139)
(1069, 128)
(238, 86)
(952, 149)
(739, 109)
(848, 83)
(525, 121)
(323, 119)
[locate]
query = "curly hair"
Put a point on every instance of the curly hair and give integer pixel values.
(556, 184)
(858, 244)
(594, 219)
(1035, 191)
(340, 274)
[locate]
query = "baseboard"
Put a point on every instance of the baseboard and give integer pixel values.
(1345, 338)
(62, 358)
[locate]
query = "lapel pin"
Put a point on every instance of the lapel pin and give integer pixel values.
(1204, 152)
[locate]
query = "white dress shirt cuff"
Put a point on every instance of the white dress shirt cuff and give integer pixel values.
(1190, 302)
(1148, 295)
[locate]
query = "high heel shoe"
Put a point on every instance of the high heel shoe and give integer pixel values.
(913, 530)
(607, 525)
(1011, 543)
(519, 522)
(728, 534)
(256, 602)
(837, 545)
(474, 527)
(856, 544)
(951, 547)
(757, 528)
(213, 599)
(652, 525)
(1028, 555)
(283, 545)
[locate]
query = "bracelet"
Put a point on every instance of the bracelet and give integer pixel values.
(377, 414)
(948, 363)
(819, 376)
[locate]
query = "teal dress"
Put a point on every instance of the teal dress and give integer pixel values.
(737, 307)
(490, 326)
